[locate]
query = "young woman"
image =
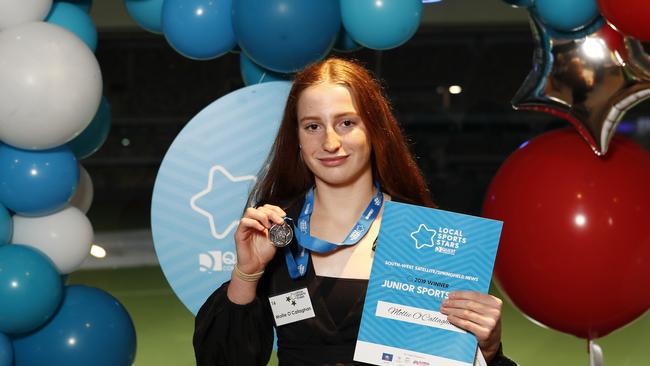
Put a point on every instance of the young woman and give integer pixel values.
(338, 152)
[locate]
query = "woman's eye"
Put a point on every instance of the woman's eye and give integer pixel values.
(311, 126)
(347, 122)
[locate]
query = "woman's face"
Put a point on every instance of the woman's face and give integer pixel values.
(333, 137)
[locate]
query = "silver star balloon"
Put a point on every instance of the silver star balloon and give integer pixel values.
(590, 79)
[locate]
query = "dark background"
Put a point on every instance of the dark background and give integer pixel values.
(459, 140)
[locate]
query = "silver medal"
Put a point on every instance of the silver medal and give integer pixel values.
(280, 235)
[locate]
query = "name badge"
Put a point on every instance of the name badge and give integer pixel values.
(291, 307)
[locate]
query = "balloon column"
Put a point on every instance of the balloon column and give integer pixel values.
(584, 69)
(277, 37)
(51, 114)
(574, 253)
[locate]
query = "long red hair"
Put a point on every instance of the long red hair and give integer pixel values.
(285, 178)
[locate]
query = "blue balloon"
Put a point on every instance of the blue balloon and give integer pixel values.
(37, 183)
(90, 328)
(93, 136)
(199, 29)
(6, 226)
(567, 15)
(6, 351)
(521, 3)
(253, 73)
(30, 289)
(75, 20)
(381, 25)
(84, 5)
(147, 13)
(286, 35)
(345, 43)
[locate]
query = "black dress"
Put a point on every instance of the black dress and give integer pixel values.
(229, 334)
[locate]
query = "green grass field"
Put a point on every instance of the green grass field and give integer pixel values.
(164, 327)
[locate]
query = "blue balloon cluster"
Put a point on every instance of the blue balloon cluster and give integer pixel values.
(30, 289)
(84, 5)
(90, 328)
(37, 183)
(74, 19)
(564, 18)
(567, 15)
(345, 43)
(381, 25)
(285, 35)
(198, 29)
(147, 13)
(94, 136)
(253, 73)
(278, 37)
(6, 227)
(41, 322)
(6, 351)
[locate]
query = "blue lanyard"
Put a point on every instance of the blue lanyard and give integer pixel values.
(297, 264)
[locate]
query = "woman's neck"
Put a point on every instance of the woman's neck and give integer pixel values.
(346, 202)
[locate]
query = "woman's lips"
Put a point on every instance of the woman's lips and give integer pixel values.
(333, 161)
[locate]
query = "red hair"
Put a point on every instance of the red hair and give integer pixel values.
(286, 178)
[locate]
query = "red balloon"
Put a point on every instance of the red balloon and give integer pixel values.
(575, 247)
(628, 16)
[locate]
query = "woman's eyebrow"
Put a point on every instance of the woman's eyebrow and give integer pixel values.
(338, 115)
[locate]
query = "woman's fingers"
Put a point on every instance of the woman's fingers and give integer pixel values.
(267, 216)
(481, 332)
(277, 210)
(246, 222)
(476, 296)
(481, 319)
(474, 306)
(477, 313)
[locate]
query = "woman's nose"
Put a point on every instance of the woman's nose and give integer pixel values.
(332, 140)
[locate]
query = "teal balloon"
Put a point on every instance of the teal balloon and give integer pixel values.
(6, 351)
(253, 73)
(75, 20)
(199, 29)
(286, 35)
(381, 25)
(37, 182)
(30, 289)
(147, 13)
(90, 328)
(521, 3)
(84, 5)
(93, 136)
(567, 15)
(345, 43)
(6, 227)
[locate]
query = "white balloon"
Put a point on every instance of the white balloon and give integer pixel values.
(65, 236)
(14, 12)
(83, 196)
(50, 85)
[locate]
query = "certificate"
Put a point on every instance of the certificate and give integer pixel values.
(423, 254)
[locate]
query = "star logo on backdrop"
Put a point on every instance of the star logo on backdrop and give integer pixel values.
(209, 190)
(423, 237)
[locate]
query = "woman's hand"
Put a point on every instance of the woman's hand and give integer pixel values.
(254, 249)
(479, 314)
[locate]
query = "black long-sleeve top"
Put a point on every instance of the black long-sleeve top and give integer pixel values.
(229, 334)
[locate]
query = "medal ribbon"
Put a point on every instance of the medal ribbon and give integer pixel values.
(298, 264)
